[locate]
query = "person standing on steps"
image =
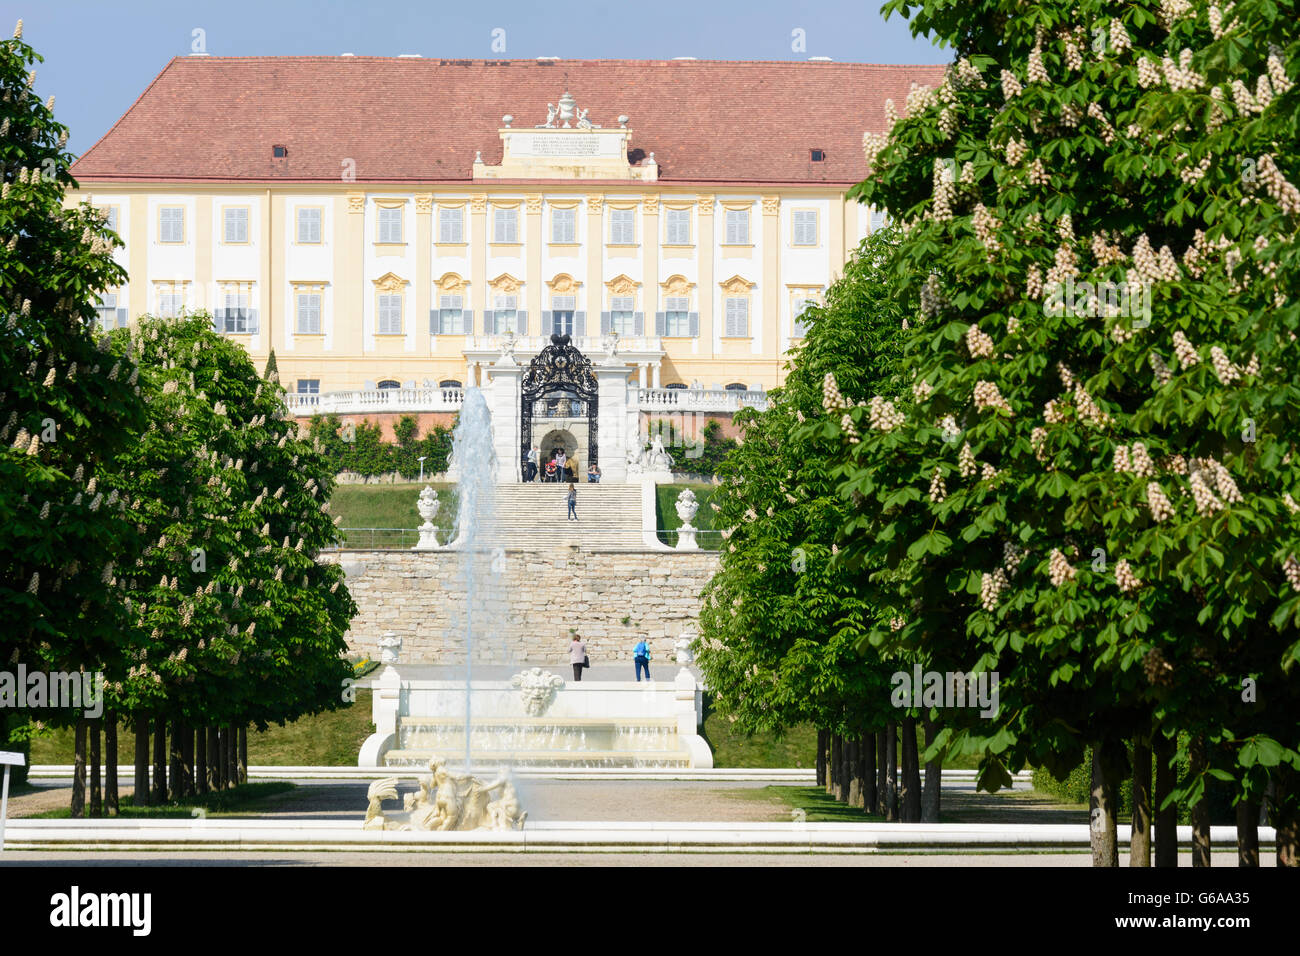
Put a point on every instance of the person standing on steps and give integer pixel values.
(577, 656)
(641, 657)
(560, 460)
(573, 501)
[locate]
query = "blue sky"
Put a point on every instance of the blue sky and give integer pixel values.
(100, 55)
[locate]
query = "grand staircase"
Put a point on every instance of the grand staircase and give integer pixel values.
(533, 517)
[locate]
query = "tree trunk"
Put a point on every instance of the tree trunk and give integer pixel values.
(870, 793)
(1248, 833)
(187, 759)
(159, 760)
(200, 746)
(110, 765)
(175, 760)
(1286, 821)
(232, 775)
(863, 771)
(1166, 819)
(837, 767)
(79, 768)
(1139, 850)
(891, 772)
(96, 793)
(822, 743)
(933, 780)
(1200, 810)
(1103, 832)
(911, 797)
(241, 756)
(214, 759)
(141, 796)
(851, 760)
(882, 775)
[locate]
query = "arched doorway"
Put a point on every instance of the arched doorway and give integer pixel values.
(559, 395)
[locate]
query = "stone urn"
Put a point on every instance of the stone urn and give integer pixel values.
(687, 507)
(390, 648)
(427, 505)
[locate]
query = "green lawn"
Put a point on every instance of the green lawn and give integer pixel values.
(666, 509)
(331, 739)
(390, 506)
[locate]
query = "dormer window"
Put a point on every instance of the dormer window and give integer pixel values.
(817, 155)
(279, 152)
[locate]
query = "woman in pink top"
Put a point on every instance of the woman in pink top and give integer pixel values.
(577, 656)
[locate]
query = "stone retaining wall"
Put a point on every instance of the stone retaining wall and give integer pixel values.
(419, 596)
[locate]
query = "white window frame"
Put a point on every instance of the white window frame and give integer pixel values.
(304, 220)
(564, 225)
(505, 225)
(448, 304)
(171, 229)
(385, 320)
(622, 227)
(451, 225)
(737, 317)
(305, 309)
(677, 227)
(235, 306)
(563, 305)
(677, 316)
(312, 386)
(230, 216)
(505, 314)
(622, 314)
(737, 223)
(805, 228)
(390, 225)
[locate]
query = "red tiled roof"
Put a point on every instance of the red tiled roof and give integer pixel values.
(215, 119)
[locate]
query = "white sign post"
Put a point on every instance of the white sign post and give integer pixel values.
(8, 759)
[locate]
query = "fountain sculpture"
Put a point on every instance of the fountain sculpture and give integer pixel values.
(447, 801)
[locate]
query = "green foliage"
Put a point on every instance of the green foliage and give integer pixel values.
(696, 455)
(66, 404)
(360, 447)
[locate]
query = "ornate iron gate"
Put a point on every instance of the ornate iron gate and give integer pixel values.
(559, 367)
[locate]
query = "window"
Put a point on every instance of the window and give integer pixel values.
(235, 313)
(171, 300)
(737, 326)
(675, 385)
(879, 219)
(451, 225)
(804, 224)
(737, 387)
(817, 155)
(309, 225)
(236, 224)
(800, 325)
(279, 152)
(390, 314)
(505, 226)
(737, 227)
(621, 317)
(110, 213)
(171, 224)
(677, 316)
(564, 225)
(389, 383)
(449, 383)
(562, 312)
(390, 224)
(505, 315)
(308, 306)
(622, 227)
(451, 315)
(677, 227)
(110, 316)
(308, 386)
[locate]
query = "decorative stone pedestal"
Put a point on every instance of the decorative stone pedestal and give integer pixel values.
(687, 507)
(427, 505)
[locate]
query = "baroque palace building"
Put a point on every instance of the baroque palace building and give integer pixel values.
(398, 228)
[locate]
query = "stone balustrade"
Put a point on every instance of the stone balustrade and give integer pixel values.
(699, 399)
(363, 400)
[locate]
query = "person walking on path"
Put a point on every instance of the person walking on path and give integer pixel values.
(578, 656)
(573, 501)
(641, 656)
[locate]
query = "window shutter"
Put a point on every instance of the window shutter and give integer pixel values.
(434, 323)
(661, 324)
(467, 322)
(252, 321)
(521, 320)
(579, 324)
(604, 323)
(121, 318)
(489, 322)
(638, 323)
(218, 319)
(694, 318)
(546, 323)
